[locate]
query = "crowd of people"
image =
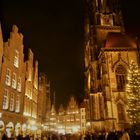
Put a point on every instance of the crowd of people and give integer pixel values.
(112, 135)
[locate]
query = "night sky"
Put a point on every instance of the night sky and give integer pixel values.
(53, 29)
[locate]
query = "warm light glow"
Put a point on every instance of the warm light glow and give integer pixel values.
(26, 114)
(1, 126)
(29, 126)
(24, 127)
(88, 123)
(75, 129)
(34, 128)
(0, 115)
(32, 122)
(17, 129)
(61, 131)
(9, 129)
(8, 132)
(133, 93)
(45, 127)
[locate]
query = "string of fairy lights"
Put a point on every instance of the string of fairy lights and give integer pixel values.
(133, 93)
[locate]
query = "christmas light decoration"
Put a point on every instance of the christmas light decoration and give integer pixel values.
(133, 94)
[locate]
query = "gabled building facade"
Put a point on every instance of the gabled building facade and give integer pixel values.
(108, 53)
(31, 88)
(18, 84)
(44, 105)
(12, 77)
(72, 119)
(61, 120)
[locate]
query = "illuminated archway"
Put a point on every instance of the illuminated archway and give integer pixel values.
(9, 129)
(17, 129)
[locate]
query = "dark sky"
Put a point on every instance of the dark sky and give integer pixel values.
(53, 29)
(131, 11)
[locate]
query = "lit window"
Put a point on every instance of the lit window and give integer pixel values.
(12, 102)
(120, 77)
(5, 99)
(16, 59)
(19, 85)
(14, 81)
(17, 107)
(8, 77)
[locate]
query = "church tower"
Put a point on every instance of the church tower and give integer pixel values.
(106, 17)
(108, 52)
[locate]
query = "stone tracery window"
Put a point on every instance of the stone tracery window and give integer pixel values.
(120, 77)
(121, 112)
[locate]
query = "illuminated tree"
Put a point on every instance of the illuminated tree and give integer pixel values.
(133, 94)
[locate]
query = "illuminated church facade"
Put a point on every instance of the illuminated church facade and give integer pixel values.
(108, 52)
